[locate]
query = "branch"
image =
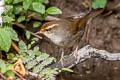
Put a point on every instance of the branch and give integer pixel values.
(23, 27)
(2, 76)
(48, 18)
(82, 55)
(15, 46)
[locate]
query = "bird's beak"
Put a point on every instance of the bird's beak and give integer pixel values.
(37, 32)
(40, 32)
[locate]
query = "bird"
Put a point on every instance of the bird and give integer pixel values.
(67, 32)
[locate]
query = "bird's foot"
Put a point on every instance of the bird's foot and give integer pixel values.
(62, 58)
(74, 53)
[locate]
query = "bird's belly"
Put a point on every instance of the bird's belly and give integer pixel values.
(58, 41)
(62, 42)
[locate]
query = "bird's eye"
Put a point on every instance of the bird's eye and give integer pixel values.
(47, 30)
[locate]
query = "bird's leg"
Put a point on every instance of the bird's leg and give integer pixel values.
(74, 53)
(62, 58)
(62, 55)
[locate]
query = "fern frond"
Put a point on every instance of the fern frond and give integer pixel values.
(42, 57)
(31, 64)
(36, 61)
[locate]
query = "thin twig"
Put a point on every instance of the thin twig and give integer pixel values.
(35, 35)
(89, 28)
(108, 13)
(15, 46)
(19, 76)
(115, 7)
(48, 18)
(35, 75)
(3, 76)
(23, 27)
(19, 25)
(111, 9)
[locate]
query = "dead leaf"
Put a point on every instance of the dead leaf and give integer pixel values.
(10, 78)
(19, 68)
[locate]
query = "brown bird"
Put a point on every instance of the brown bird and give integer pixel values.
(67, 32)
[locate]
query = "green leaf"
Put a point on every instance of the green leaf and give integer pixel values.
(32, 42)
(42, 1)
(8, 1)
(17, 9)
(7, 19)
(21, 18)
(46, 1)
(38, 1)
(31, 64)
(27, 34)
(36, 48)
(34, 14)
(10, 66)
(53, 10)
(36, 24)
(26, 4)
(12, 33)
(2, 66)
(67, 69)
(99, 4)
(17, 1)
(35, 39)
(37, 53)
(10, 56)
(22, 46)
(5, 40)
(29, 46)
(8, 9)
(38, 7)
(10, 74)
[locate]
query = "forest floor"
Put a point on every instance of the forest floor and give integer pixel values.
(105, 35)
